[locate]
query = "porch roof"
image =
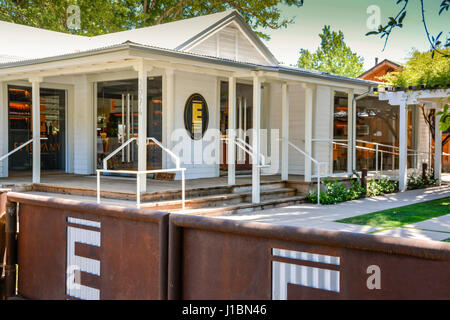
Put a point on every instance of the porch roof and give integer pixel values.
(32, 67)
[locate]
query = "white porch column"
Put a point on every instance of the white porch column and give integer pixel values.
(403, 146)
(3, 129)
(142, 125)
(308, 131)
(256, 139)
(351, 130)
(437, 150)
(231, 148)
(168, 112)
(36, 127)
(285, 132)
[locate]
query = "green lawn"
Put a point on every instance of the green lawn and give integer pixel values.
(446, 240)
(393, 218)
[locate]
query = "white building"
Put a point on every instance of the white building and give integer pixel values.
(89, 95)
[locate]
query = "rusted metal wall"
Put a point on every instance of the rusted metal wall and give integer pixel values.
(69, 249)
(2, 234)
(219, 259)
(75, 250)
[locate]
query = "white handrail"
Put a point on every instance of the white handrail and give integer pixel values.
(318, 163)
(247, 150)
(377, 150)
(138, 180)
(112, 154)
(250, 147)
(173, 155)
(18, 148)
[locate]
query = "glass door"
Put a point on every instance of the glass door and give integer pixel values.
(52, 127)
(117, 122)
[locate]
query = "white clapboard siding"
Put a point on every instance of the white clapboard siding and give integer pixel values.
(82, 127)
(185, 85)
(229, 43)
(296, 122)
(423, 139)
(322, 124)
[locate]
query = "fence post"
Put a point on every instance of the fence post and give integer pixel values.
(3, 195)
(9, 265)
(174, 259)
(364, 177)
(424, 173)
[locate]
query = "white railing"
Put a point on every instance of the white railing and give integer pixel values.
(378, 151)
(144, 172)
(18, 148)
(247, 148)
(318, 165)
(112, 154)
(138, 182)
(169, 152)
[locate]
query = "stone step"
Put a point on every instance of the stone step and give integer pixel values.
(150, 196)
(219, 200)
(244, 207)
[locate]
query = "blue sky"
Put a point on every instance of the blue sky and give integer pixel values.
(350, 16)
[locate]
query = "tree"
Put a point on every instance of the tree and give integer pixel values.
(397, 22)
(104, 16)
(424, 69)
(332, 56)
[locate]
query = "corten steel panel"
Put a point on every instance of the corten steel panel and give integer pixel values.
(223, 259)
(130, 258)
(2, 224)
(132, 252)
(224, 266)
(42, 252)
(402, 277)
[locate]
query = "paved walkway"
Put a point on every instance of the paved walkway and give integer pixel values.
(323, 217)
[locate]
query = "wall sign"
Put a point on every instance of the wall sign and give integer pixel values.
(196, 116)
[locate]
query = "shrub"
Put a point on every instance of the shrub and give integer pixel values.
(417, 182)
(381, 186)
(337, 192)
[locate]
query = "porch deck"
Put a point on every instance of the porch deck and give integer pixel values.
(128, 184)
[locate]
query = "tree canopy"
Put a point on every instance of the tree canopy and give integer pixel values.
(333, 56)
(422, 69)
(104, 16)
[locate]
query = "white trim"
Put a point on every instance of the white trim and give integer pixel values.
(193, 45)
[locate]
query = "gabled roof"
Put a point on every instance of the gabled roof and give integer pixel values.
(24, 42)
(380, 65)
(167, 35)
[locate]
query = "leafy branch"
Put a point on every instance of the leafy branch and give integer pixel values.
(397, 22)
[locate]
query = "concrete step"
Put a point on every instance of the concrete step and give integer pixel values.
(244, 207)
(220, 200)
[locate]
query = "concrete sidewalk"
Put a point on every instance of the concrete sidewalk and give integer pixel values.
(323, 217)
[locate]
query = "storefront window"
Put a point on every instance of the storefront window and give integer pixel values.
(117, 122)
(52, 127)
(376, 122)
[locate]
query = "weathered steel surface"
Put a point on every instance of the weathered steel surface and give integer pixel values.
(10, 256)
(223, 259)
(3, 193)
(132, 252)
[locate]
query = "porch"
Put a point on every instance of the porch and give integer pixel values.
(203, 196)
